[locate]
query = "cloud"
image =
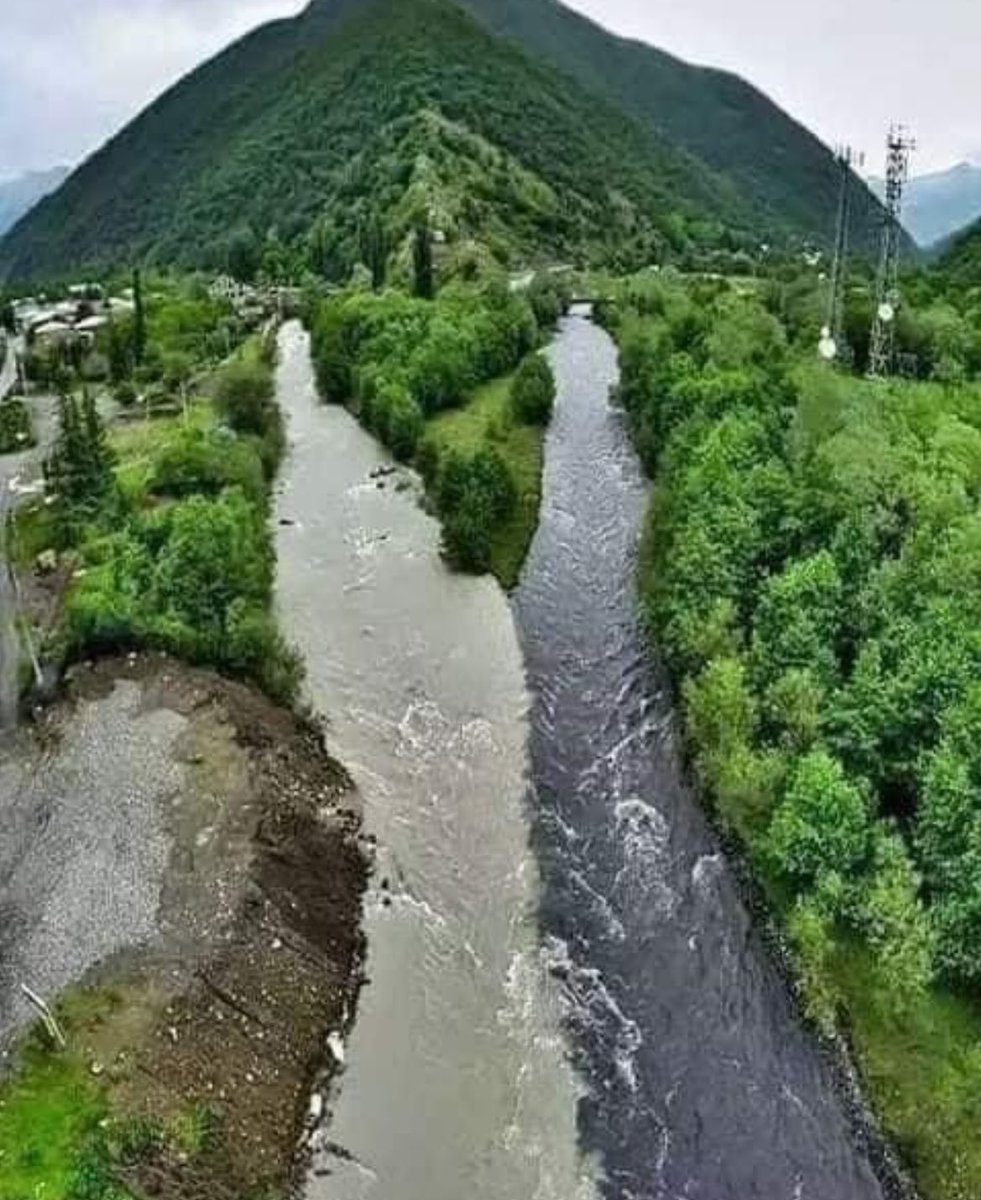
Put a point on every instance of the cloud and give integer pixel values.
(72, 74)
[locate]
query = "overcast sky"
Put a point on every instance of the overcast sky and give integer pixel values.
(74, 71)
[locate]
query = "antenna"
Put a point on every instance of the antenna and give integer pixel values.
(882, 349)
(832, 342)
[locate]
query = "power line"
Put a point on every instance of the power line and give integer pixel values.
(832, 344)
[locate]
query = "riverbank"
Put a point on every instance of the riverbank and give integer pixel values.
(431, 380)
(786, 543)
(484, 420)
(198, 893)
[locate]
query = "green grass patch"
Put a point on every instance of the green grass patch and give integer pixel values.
(922, 1070)
(486, 419)
(138, 442)
(50, 1112)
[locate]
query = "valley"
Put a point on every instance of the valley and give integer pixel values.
(489, 638)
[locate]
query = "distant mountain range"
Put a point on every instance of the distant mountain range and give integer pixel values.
(940, 204)
(19, 195)
(516, 126)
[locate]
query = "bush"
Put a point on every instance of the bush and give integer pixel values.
(206, 462)
(474, 495)
(16, 427)
(822, 827)
(124, 394)
(533, 392)
(244, 397)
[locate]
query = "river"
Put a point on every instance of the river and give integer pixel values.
(584, 915)
(458, 1083)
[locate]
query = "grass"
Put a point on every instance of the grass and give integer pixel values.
(50, 1111)
(922, 1071)
(486, 417)
(64, 1130)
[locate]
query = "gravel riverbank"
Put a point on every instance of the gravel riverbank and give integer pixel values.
(190, 854)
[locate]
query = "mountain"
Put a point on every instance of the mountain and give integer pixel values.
(940, 204)
(786, 172)
(959, 264)
(19, 195)
(519, 126)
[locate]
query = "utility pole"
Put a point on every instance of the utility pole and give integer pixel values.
(899, 146)
(832, 344)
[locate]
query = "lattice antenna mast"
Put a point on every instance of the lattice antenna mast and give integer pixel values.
(882, 348)
(832, 335)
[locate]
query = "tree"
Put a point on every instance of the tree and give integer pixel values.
(374, 249)
(822, 827)
(424, 274)
(244, 397)
(948, 839)
(894, 920)
(533, 391)
(243, 254)
(78, 472)
(214, 554)
(475, 495)
(139, 320)
(119, 350)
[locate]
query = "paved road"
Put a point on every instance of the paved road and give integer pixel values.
(20, 475)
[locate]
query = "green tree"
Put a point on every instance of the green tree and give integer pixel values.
(533, 391)
(948, 838)
(215, 553)
(822, 827)
(139, 320)
(423, 269)
(374, 249)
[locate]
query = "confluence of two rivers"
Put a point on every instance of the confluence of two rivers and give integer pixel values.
(566, 995)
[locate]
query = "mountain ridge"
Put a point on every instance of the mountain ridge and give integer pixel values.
(940, 204)
(264, 138)
(19, 194)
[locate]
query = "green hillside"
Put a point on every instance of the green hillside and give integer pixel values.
(521, 127)
(787, 173)
(959, 265)
(309, 125)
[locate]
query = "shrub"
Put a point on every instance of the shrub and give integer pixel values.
(16, 428)
(474, 495)
(206, 462)
(244, 396)
(823, 825)
(533, 391)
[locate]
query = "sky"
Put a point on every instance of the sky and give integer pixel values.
(72, 73)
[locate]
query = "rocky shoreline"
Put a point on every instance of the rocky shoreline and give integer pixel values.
(228, 997)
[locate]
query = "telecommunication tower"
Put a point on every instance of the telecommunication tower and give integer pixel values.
(832, 344)
(899, 146)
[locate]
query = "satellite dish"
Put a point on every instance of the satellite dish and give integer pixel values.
(828, 349)
(887, 313)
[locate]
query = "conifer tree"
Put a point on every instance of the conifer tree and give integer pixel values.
(139, 319)
(422, 261)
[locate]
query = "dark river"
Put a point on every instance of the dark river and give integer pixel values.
(702, 1084)
(566, 995)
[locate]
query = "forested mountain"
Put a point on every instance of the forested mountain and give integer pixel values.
(940, 205)
(781, 167)
(555, 139)
(19, 195)
(960, 264)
